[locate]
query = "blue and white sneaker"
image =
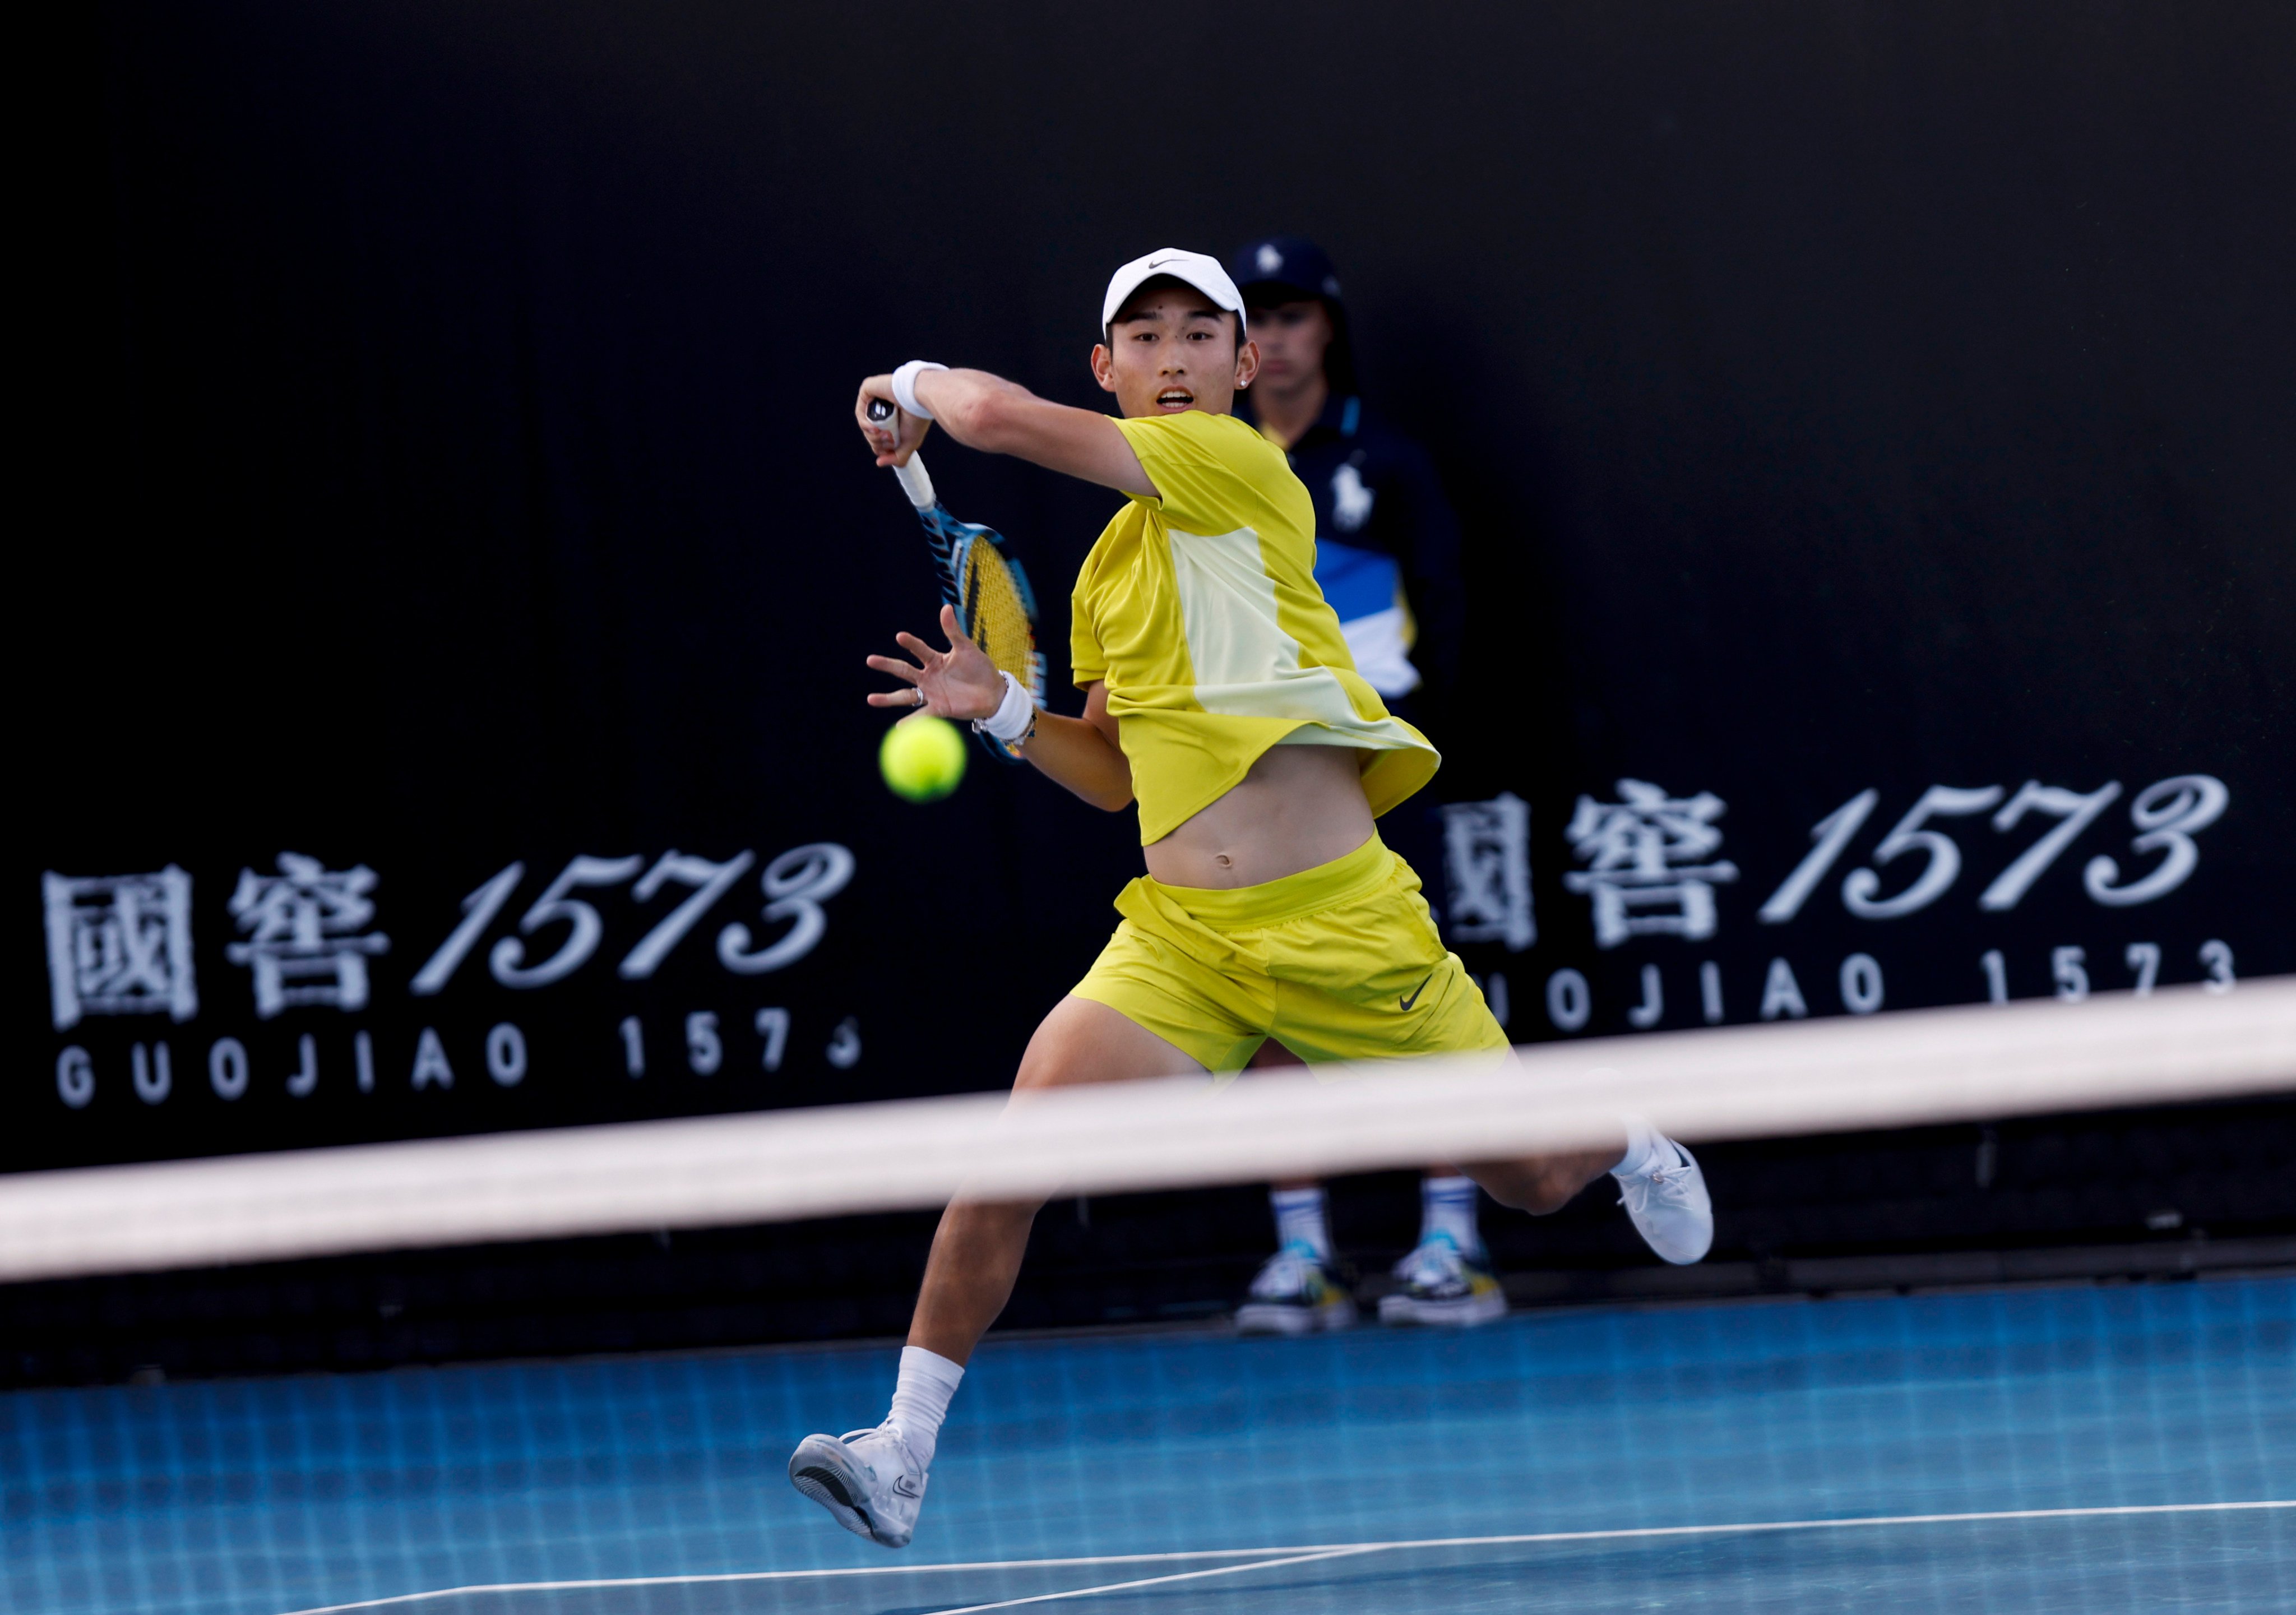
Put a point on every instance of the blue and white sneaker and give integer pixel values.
(868, 1480)
(1292, 1294)
(1444, 1287)
(1671, 1206)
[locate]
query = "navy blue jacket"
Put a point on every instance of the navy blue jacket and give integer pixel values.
(1382, 520)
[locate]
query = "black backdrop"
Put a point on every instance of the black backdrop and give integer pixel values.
(447, 462)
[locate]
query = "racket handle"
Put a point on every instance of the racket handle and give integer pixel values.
(915, 483)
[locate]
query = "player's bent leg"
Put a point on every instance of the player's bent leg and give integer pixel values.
(969, 1276)
(1084, 1040)
(1660, 1183)
(1331, 991)
(977, 1250)
(873, 1481)
(1542, 1184)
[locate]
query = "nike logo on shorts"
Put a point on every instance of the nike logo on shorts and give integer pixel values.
(1415, 991)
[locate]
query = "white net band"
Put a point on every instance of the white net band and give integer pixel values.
(1921, 1068)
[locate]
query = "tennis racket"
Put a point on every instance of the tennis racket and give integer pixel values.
(994, 606)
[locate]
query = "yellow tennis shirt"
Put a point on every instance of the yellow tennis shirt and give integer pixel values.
(1199, 610)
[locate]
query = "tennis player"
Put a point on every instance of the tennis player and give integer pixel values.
(1220, 698)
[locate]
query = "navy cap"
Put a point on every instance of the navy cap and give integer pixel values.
(1290, 261)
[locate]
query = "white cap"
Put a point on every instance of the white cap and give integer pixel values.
(1204, 273)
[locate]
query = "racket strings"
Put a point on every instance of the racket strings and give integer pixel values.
(993, 611)
(994, 606)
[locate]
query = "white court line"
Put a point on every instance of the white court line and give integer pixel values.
(1157, 1581)
(1267, 1556)
(958, 1567)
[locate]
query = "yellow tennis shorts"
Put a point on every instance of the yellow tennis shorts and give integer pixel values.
(1341, 961)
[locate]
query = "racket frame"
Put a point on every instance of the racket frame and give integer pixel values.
(951, 543)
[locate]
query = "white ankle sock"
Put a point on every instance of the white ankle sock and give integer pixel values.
(1446, 1205)
(1647, 1150)
(1300, 1217)
(921, 1398)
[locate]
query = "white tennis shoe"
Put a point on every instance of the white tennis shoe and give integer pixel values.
(1444, 1287)
(1671, 1206)
(1293, 1293)
(868, 1480)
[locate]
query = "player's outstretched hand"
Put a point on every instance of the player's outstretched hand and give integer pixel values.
(891, 441)
(958, 683)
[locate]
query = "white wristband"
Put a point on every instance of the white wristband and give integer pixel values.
(1014, 716)
(905, 387)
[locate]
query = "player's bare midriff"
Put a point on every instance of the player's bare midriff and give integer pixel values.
(1300, 806)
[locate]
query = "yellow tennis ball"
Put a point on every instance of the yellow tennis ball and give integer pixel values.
(922, 757)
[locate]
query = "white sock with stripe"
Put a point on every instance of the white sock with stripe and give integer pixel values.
(1448, 1206)
(1299, 1219)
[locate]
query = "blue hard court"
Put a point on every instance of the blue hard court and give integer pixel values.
(2129, 1442)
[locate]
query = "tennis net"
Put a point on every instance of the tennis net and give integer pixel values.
(1915, 1068)
(2074, 1446)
